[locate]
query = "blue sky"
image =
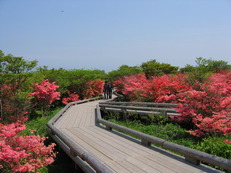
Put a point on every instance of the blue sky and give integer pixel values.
(105, 34)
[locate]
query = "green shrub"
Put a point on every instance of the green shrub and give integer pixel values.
(39, 124)
(216, 146)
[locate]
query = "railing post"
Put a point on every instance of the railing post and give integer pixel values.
(73, 153)
(165, 113)
(50, 131)
(145, 142)
(108, 128)
(124, 111)
(192, 160)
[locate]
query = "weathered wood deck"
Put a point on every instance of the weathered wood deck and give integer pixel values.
(118, 152)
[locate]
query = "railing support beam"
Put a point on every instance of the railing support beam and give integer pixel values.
(145, 142)
(192, 160)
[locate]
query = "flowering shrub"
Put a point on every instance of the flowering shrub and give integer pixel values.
(206, 106)
(93, 88)
(134, 86)
(72, 97)
(45, 94)
(158, 89)
(14, 103)
(23, 153)
(45, 91)
(165, 88)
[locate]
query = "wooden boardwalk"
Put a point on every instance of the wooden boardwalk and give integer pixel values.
(118, 152)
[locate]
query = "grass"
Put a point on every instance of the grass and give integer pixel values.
(39, 123)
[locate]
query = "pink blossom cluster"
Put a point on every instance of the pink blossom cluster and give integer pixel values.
(159, 89)
(206, 105)
(46, 91)
(23, 153)
(134, 86)
(93, 88)
(72, 97)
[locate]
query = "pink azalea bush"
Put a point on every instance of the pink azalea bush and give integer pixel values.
(72, 98)
(206, 106)
(159, 89)
(44, 95)
(45, 92)
(134, 86)
(165, 88)
(23, 153)
(93, 88)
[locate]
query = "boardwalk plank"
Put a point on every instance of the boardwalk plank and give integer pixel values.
(109, 139)
(87, 120)
(61, 119)
(155, 165)
(118, 167)
(125, 141)
(85, 146)
(81, 122)
(142, 165)
(132, 168)
(123, 146)
(111, 152)
(65, 118)
(115, 148)
(75, 115)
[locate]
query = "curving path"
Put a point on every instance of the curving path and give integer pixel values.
(114, 150)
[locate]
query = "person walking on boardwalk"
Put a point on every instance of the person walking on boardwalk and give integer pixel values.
(105, 90)
(109, 88)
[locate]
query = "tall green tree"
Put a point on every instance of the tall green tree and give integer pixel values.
(154, 68)
(14, 69)
(15, 84)
(15, 65)
(212, 65)
(204, 68)
(123, 70)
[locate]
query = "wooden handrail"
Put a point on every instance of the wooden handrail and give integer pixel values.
(138, 108)
(191, 155)
(143, 108)
(141, 103)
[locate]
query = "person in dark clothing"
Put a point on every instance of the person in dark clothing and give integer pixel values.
(109, 89)
(105, 90)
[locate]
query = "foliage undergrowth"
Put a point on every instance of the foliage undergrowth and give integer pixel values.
(39, 123)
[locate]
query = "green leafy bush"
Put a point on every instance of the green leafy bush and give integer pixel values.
(216, 146)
